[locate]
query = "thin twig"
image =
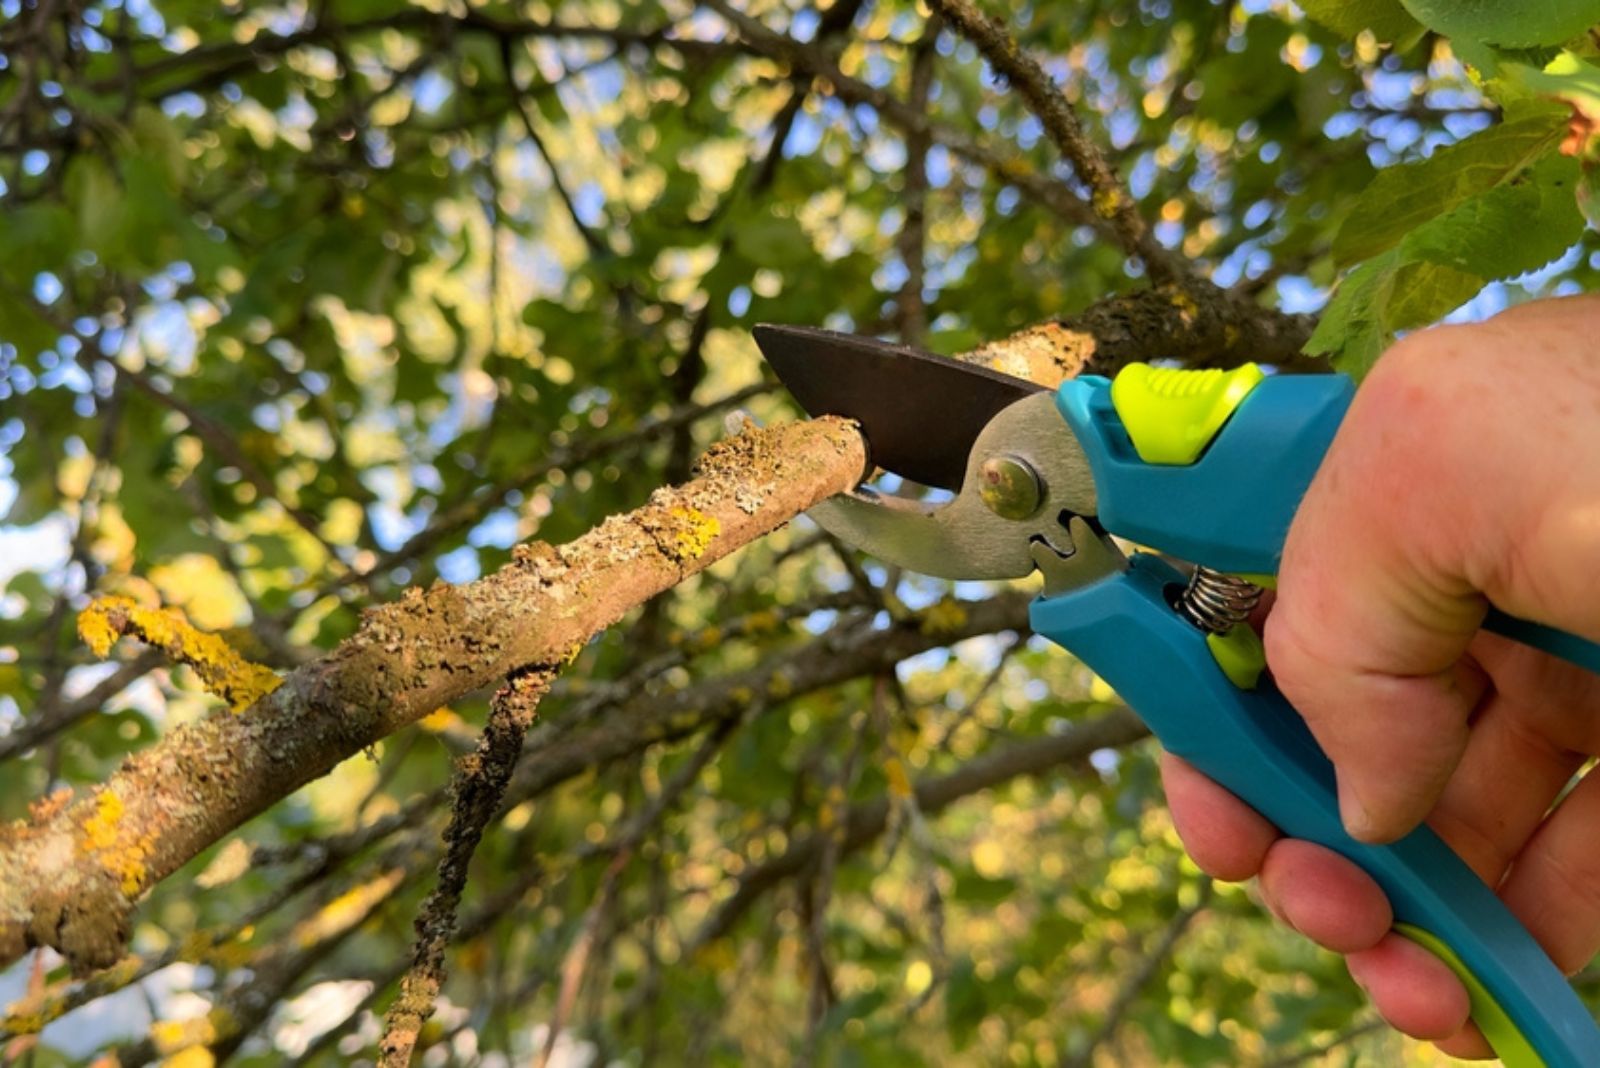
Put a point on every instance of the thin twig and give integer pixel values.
(1137, 980)
(479, 786)
(1108, 195)
(911, 310)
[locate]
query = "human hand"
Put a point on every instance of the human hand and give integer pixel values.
(1466, 472)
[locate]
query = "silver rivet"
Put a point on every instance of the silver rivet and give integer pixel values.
(1010, 487)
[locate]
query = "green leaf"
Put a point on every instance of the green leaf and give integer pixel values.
(1402, 198)
(1508, 230)
(1502, 232)
(1574, 83)
(1422, 293)
(1511, 23)
(97, 201)
(1351, 331)
(1387, 19)
(1245, 84)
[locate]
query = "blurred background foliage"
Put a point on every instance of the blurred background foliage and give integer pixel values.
(302, 303)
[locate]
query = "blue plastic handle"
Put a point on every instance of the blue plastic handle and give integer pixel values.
(1255, 744)
(1231, 510)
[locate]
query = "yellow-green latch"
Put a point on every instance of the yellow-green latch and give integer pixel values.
(1171, 414)
(1509, 1044)
(1240, 655)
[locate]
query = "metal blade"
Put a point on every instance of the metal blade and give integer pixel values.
(920, 413)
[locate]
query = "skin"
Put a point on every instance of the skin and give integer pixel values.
(1466, 472)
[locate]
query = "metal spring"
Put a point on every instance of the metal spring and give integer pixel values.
(1217, 602)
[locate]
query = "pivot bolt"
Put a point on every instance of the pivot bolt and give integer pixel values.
(1010, 487)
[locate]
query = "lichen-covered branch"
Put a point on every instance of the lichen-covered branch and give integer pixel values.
(480, 785)
(166, 804)
(1195, 322)
(221, 669)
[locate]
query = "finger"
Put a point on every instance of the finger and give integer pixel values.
(1412, 988)
(1508, 777)
(1556, 699)
(1554, 885)
(1324, 896)
(1224, 836)
(1468, 1044)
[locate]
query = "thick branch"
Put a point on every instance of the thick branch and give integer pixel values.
(70, 877)
(1198, 323)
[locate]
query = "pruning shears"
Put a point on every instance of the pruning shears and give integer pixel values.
(1206, 466)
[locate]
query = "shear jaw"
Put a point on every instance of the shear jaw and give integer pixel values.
(1021, 508)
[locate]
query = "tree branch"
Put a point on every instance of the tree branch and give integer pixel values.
(480, 786)
(1108, 196)
(1198, 323)
(69, 879)
(865, 822)
(1009, 169)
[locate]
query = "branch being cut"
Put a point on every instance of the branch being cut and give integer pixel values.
(70, 877)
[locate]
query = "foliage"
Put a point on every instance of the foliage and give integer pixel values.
(1430, 234)
(301, 304)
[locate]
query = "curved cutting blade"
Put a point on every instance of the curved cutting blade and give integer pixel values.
(920, 413)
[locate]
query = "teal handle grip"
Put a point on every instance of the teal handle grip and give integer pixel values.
(1230, 509)
(1256, 745)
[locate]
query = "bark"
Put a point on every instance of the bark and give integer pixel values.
(479, 787)
(1107, 194)
(1196, 322)
(70, 876)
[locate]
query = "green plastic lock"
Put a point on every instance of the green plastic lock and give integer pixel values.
(1240, 655)
(1171, 414)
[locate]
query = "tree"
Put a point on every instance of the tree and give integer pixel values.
(320, 326)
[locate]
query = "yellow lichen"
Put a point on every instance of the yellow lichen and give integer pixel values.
(24, 1023)
(694, 534)
(1108, 201)
(945, 617)
(100, 829)
(221, 669)
(94, 624)
(1185, 304)
(104, 837)
(175, 1036)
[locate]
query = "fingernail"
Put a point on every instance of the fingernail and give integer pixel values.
(1357, 820)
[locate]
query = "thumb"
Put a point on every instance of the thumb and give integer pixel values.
(1368, 634)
